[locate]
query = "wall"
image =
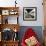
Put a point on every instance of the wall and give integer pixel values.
(30, 3)
(26, 3)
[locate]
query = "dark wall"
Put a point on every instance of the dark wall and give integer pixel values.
(37, 29)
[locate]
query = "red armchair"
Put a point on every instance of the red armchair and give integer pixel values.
(30, 39)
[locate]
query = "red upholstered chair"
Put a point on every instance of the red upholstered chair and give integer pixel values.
(28, 35)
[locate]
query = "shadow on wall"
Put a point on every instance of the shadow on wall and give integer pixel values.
(37, 29)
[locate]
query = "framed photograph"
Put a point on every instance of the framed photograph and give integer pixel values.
(10, 20)
(29, 13)
(13, 20)
(6, 34)
(12, 12)
(5, 12)
(5, 20)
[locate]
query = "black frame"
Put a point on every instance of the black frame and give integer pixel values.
(35, 13)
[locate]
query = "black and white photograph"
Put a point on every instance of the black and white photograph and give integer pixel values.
(29, 13)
